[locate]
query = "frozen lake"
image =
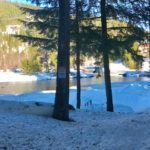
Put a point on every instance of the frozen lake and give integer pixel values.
(26, 87)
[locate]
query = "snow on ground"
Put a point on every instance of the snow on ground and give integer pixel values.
(92, 130)
(30, 107)
(20, 77)
(118, 67)
(128, 96)
(145, 65)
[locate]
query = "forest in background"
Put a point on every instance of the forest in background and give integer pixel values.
(15, 53)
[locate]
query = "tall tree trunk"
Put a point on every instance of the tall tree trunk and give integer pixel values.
(78, 54)
(106, 57)
(61, 107)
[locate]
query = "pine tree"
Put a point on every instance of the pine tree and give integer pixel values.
(106, 57)
(133, 13)
(78, 6)
(61, 109)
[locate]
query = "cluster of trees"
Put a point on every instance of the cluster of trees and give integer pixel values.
(9, 14)
(13, 52)
(12, 14)
(8, 52)
(70, 26)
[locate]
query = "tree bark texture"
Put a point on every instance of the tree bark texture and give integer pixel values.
(61, 107)
(106, 57)
(78, 54)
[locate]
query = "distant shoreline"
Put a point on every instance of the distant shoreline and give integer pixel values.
(20, 77)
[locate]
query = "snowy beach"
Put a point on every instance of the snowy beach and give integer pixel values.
(26, 122)
(92, 130)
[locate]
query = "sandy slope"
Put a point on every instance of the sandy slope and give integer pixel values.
(91, 131)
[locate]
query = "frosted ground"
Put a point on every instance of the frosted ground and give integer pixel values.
(26, 122)
(93, 129)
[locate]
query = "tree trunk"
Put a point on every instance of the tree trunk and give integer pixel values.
(61, 107)
(106, 57)
(78, 55)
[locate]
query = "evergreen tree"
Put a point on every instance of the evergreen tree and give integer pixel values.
(61, 109)
(106, 57)
(97, 38)
(130, 12)
(78, 7)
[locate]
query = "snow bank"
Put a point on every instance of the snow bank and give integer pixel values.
(145, 65)
(118, 67)
(20, 77)
(16, 77)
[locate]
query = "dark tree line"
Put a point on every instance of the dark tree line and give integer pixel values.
(78, 13)
(106, 56)
(61, 108)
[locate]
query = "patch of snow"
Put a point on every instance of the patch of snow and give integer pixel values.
(73, 87)
(146, 64)
(20, 77)
(118, 67)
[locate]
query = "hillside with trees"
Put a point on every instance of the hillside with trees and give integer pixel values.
(24, 20)
(14, 51)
